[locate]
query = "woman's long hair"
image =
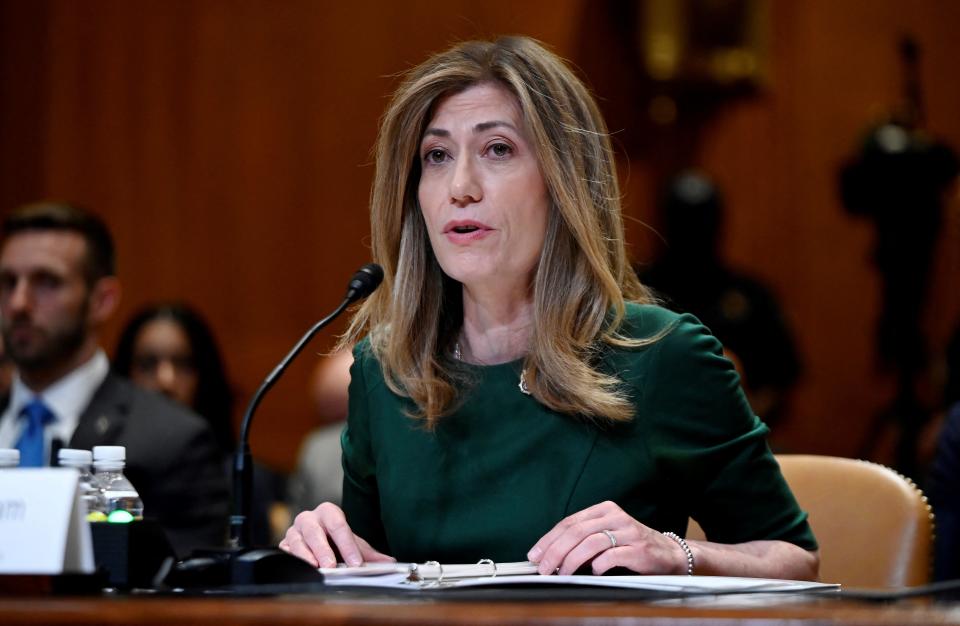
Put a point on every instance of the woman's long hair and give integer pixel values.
(214, 398)
(583, 278)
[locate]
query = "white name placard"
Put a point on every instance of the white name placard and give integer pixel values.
(43, 528)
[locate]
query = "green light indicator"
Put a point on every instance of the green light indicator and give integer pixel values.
(119, 517)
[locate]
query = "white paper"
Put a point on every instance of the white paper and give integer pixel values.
(682, 584)
(425, 572)
(398, 576)
(42, 525)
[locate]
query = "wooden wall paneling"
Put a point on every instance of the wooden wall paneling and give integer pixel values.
(228, 144)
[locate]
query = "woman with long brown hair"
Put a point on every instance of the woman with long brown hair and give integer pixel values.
(516, 392)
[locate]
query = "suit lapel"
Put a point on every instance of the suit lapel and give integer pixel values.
(103, 420)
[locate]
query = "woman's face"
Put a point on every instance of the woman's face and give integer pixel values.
(483, 198)
(163, 361)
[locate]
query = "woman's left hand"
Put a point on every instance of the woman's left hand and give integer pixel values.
(580, 539)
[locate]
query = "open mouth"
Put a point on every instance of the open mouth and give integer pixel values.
(465, 229)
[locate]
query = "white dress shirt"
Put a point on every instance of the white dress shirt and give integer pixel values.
(67, 399)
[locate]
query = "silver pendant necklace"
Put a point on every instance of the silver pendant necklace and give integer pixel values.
(523, 373)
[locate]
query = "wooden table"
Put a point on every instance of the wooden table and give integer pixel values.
(338, 609)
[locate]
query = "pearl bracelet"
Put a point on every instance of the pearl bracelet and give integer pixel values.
(686, 550)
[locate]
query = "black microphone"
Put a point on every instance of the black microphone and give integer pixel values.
(361, 285)
(240, 564)
(364, 282)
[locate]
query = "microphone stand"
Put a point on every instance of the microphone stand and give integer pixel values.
(240, 564)
(242, 460)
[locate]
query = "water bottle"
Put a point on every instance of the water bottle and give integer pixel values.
(89, 492)
(119, 500)
(9, 457)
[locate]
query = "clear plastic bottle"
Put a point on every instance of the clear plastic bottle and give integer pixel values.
(89, 492)
(9, 457)
(120, 501)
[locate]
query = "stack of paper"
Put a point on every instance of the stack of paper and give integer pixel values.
(433, 575)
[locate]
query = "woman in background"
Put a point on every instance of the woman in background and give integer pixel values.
(170, 349)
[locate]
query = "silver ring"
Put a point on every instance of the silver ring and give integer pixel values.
(613, 540)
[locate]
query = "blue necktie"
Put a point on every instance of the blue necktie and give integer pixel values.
(31, 443)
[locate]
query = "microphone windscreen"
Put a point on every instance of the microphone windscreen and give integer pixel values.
(365, 281)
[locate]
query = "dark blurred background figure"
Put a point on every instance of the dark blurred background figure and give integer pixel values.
(951, 388)
(319, 474)
(170, 349)
(744, 314)
(7, 369)
(943, 485)
(897, 180)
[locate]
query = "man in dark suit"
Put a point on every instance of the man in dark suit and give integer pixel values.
(57, 289)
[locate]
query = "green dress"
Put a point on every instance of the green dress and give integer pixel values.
(501, 471)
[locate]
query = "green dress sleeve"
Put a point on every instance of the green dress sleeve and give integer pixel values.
(714, 446)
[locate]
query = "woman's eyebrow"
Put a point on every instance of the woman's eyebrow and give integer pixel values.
(478, 128)
(483, 126)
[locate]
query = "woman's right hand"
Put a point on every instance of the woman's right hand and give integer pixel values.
(310, 539)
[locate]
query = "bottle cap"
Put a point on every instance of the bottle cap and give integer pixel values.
(109, 453)
(74, 456)
(9, 456)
